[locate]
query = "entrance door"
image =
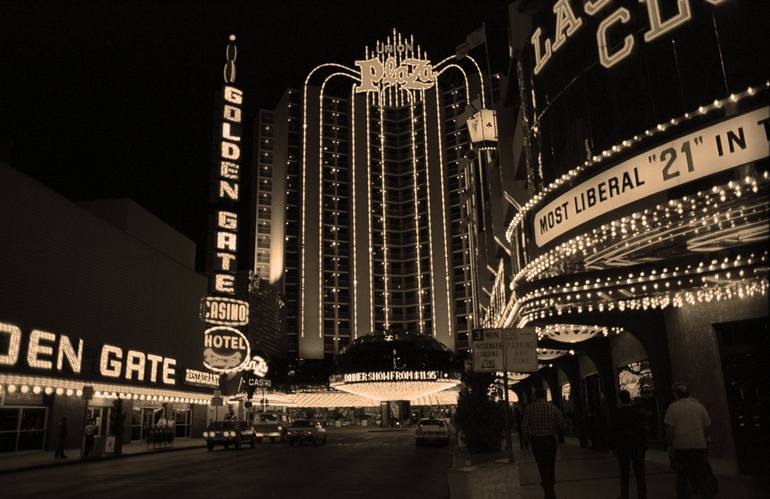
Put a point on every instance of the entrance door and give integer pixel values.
(745, 350)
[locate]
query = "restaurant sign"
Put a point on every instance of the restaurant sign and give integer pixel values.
(730, 143)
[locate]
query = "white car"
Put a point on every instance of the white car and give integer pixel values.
(432, 430)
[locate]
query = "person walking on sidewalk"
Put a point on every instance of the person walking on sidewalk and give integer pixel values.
(687, 432)
(541, 426)
(630, 443)
(62, 438)
(519, 418)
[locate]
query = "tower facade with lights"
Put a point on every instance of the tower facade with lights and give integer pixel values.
(366, 187)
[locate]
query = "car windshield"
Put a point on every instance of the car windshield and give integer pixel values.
(266, 425)
(302, 423)
(222, 425)
(432, 422)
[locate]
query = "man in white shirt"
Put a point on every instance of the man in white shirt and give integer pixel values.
(687, 431)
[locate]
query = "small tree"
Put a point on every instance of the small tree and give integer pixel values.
(117, 419)
(481, 419)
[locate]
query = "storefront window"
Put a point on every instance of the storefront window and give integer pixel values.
(636, 377)
(22, 428)
(182, 422)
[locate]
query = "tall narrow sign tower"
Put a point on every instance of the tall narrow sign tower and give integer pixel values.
(225, 348)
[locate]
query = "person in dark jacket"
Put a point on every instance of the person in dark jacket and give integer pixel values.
(630, 444)
(62, 438)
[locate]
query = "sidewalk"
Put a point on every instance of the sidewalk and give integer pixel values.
(36, 459)
(587, 474)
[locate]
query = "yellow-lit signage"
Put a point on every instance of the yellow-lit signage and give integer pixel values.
(567, 23)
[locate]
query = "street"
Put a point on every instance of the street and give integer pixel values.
(353, 464)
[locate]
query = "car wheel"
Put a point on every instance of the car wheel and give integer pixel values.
(418, 443)
(210, 447)
(323, 442)
(253, 442)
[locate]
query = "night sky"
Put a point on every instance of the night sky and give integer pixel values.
(116, 98)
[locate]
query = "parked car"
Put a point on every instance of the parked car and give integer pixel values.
(270, 430)
(227, 433)
(432, 430)
(306, 430)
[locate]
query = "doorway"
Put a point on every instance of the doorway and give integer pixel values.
(744, 347)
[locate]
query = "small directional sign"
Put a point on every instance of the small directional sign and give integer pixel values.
(520, 353)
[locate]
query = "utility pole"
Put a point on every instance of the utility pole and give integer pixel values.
(508, 440)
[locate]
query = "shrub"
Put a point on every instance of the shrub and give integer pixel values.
(481, 419)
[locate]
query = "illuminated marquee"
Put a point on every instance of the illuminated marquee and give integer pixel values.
(391, 376)
(568, 23)
(396, 65)
(201, 378)
(224, 311)
(54, 352)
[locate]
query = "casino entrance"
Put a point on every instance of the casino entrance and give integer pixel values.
(744, 347)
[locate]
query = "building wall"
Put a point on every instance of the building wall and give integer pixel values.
(695, 360)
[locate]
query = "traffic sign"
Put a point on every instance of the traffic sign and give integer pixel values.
(520, 353)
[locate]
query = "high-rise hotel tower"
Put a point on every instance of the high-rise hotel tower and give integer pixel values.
(360, 189)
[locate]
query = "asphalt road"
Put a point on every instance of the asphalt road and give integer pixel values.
(353, 464)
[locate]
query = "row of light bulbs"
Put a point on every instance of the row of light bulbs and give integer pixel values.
(706, 294)
(12, 388)
(705, 205)
(620, 147)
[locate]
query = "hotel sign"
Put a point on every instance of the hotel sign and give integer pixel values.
(226, 349)
(731, 143)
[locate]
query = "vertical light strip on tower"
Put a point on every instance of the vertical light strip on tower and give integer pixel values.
(354, 315)
(384, 206)
(430, 220)
(304, 178)
(369, 214)
(420, 324)
(443, 208)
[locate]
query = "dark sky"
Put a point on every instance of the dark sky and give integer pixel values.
(116, 98)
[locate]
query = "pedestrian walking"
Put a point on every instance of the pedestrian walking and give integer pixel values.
(630, 443)
(519, 420)
(687, 433)
(62, 432)
(90, 432)
(542, 424)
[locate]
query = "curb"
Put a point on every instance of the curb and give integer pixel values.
(68, 462)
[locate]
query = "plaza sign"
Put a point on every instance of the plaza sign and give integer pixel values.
(397, 65)
(733, 142)
(567, 24)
